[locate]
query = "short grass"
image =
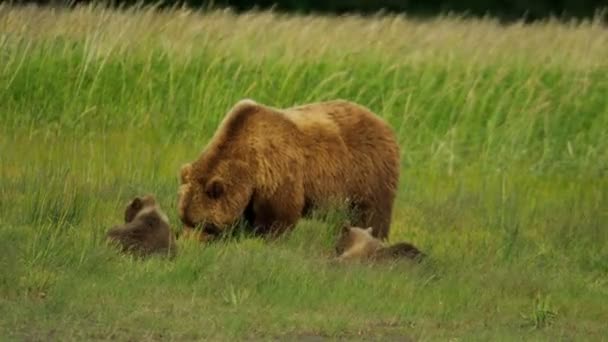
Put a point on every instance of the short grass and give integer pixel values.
(504, 183)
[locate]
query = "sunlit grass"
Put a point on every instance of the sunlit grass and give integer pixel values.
(504, 180)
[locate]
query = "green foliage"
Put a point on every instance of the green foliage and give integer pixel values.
(541, 315)
(503, 185)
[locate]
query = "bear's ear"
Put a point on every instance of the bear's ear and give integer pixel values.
(214, 189)
(345, 228)
(136, 203)
(133, 208)
(185, 172)
(369, 230)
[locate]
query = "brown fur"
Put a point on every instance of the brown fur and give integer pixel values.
(272, 166)
(191, 233)
(359, 244)
(146, 229)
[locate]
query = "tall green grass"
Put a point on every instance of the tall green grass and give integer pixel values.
(504, 180)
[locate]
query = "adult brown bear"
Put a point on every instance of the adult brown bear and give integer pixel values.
(271, 166)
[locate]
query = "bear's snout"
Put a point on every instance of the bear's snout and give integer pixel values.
(186, 221)
(211, 229)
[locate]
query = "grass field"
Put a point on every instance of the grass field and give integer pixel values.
(504, 183)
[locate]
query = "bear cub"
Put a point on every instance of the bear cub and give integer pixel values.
(146, 229)
(355, 243)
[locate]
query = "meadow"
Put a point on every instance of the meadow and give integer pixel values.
(504, 182)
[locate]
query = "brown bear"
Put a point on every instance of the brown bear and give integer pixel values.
(146, 229)
(359, 244)
(272, 166)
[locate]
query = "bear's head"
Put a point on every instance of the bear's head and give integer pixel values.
(351, 236)
(214, 195)
(137, 205)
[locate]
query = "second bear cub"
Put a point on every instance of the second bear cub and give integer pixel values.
(357, 243)
(146, 229)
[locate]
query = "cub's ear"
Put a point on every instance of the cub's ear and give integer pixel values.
(215, 189)
(185, 172)
(369, 230)
(345, 228)
(133, 208)
(137, 203)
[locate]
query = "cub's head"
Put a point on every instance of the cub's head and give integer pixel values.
(351, 236)
(139, 204)
(142, 239)
(214, 195)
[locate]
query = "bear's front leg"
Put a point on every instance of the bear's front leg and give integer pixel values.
(278, 212)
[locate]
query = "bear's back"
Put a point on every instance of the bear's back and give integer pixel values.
(353, 145)
(357, 127)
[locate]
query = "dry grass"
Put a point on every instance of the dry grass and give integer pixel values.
(395, 39)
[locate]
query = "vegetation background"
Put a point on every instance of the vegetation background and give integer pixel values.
(507, 10)
(504, 180)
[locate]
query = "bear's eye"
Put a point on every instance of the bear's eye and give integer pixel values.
(214, 189)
